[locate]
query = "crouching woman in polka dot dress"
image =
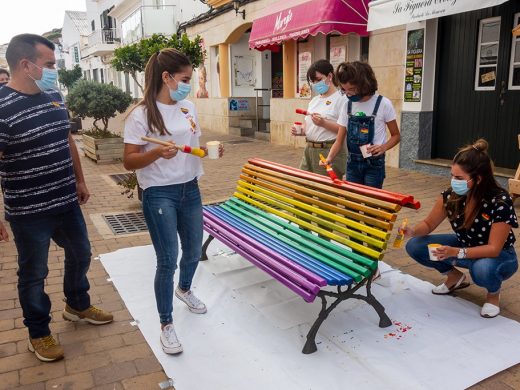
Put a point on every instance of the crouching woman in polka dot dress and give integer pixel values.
(482, 216)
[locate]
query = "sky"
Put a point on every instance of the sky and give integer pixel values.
(34, 16)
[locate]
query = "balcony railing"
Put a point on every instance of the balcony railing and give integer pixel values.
(106, 35)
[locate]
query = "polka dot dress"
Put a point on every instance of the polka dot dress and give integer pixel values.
(497, 209)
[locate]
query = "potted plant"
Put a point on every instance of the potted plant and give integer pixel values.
(100, 102)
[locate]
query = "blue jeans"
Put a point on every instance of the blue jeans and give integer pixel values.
(367, 171)
(171, 210)
(32, 238)
(486, 272)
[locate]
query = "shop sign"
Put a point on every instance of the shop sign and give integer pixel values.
(414, 66)
(389, 13)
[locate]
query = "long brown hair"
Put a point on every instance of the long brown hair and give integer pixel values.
(166, 60)
(475, 161)
(359, 74)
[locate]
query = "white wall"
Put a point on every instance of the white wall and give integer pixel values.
(71, 38)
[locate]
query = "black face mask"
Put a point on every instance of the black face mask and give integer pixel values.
(3, 83)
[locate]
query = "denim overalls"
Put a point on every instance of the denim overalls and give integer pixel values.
(360, 131)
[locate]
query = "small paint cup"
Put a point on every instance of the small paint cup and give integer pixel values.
(364, 151)
(299, 127)
(213, 149)
(431, 248)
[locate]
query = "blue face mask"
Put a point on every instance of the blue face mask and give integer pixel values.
(355, 98)
(320, 87)
(48, 80)
(182, 91)
(460, 187)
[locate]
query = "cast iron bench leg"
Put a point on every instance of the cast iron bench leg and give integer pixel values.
(384, 321)
(204, 255)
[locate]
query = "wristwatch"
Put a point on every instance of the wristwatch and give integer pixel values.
(462, 253)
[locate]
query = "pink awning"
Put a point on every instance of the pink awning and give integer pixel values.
(310, 18)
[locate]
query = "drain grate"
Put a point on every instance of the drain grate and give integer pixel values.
(126, 223)
(120, 177)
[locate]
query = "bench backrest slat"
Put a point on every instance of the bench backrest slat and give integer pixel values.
(304, 183)
(325, 202)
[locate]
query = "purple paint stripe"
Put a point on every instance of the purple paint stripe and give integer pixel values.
(280, 259)
(293, 281)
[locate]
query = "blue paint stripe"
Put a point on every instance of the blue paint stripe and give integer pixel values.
(330, 274)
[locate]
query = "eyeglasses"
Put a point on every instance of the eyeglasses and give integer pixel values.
(348, 92)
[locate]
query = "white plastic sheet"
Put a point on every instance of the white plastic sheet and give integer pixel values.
(254, 330)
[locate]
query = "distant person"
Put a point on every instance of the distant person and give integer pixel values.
(482, 216)
(172, 202)
(363, 121)
(320, 127)
(4, 77)
(43, 187)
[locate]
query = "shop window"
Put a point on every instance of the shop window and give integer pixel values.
(487, 54)
(514, 69)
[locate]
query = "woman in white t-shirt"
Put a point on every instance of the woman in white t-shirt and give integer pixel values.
(363, 120)
(171, 198)
(320, 127)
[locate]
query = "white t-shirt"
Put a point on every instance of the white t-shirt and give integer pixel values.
(385, 114)
(181, 122)
(328, 108)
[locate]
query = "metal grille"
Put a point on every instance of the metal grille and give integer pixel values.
(120, 177)
(126, 223)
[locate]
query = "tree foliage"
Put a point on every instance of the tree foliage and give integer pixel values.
(69, 77)
(90, 99)
(133, 58)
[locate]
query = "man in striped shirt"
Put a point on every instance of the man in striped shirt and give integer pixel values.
(43, 187)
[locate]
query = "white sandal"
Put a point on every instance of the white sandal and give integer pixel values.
(489, 310)
(442, 289)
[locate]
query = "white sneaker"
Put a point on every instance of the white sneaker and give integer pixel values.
(194, 304)
(169, 341)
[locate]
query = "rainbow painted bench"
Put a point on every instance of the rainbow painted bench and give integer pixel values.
(308, 232)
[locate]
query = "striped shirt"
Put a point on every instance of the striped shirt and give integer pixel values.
(36, 168)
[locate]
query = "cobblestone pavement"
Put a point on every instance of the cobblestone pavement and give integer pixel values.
(116, 356)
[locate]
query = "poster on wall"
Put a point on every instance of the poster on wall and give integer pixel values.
(201, 77)
(414, 65)
(244, 70)
(304, 63)
(337, 55)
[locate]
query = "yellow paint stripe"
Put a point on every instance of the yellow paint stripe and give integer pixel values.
(383, 236)
(338, 196)
(327, 188)
(296, 192)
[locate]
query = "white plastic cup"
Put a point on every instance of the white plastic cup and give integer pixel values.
(299, 127)
(364, 151)
(213, 149)
(431, 248)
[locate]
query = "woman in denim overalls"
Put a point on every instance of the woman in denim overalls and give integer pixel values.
(363, 120)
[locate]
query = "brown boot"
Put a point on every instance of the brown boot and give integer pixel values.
(91, 314)
(46, 348)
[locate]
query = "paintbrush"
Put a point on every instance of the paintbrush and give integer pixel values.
(183, 148)
(329, 169)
